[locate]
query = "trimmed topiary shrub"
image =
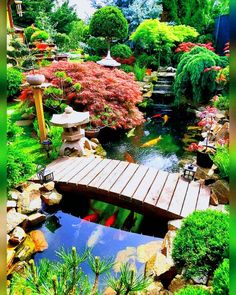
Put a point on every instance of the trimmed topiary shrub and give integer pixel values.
(96, 46)
(39, 36)
(201, 243)
(221, 279)
(194, 82)
(121, 50)
(109, 22)
(14, 80)
(61, 40)
(29, 31)
(193, 290)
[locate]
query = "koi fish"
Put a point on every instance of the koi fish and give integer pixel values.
(91, 217)
(95, 236)
(128, 158)
(152, 142)
(129, 221)
(112, 219)
(130, 133)
(156, 116)
(165, 118)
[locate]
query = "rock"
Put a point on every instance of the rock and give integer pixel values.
(22, 123)
(200, 280)
(52, 198)
(154, 289)
(29, 201)
(39, 240)
(49, 186)
(14, 194)
(36, 218)
(220, 208)
(205, 173)
(14, 218)
(109, 291)
(146, 251)
(221, 191)
(8, 238)
(31, 186)
(167, 245)
(26, 249)
(223, 133)
(213, 199)
(11, 204)
(17, 235)
(18, 267)
(174, 224)
(10, 256)
(177, 283)
(95, 140)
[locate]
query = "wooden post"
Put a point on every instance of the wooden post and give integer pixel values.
(38, 93)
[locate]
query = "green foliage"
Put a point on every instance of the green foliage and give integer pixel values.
(149, 61)
(78, 33)
(62, 40)
(157, 37)
(198, 247)
(127, 68)
(222, 160)
(109, 22)
(193, 290)
(222, 103)
(96, 46)
(63, 17)
(139, 72)
(14, 80)
(121, 50)
(39, 35)
(93, 58)
(221, 279)
(13, 131)
(19, 165)
(205, 38)
(29, 31)
(45, 63)
(192, 83)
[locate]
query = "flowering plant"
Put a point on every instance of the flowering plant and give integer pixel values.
(187, 46)
(193, 147)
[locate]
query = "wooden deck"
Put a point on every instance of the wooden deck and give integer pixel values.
(129, 185)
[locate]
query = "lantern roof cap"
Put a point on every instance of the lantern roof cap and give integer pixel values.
(70, 118)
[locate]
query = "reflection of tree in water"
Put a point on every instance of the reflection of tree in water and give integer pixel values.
(52, 223)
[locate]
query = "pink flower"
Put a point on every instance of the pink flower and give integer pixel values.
(215, 98)
(223, 141)
(193, 147)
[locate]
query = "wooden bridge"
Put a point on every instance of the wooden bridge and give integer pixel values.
(132, 186)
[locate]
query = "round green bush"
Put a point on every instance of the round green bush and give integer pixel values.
(14, 80)
(127, 68)
(109, 22)
(39, 35)
(29, 31)
(201, 243)
(221, 279)
(121, 50)
(193, 290)
(93, 58)
(61, 39)
(96, 46)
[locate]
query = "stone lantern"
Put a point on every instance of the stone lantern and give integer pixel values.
(73, 135)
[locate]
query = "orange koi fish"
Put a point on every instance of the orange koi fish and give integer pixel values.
(151, 142)
(128, 158)
(112, 219)
(165, 118)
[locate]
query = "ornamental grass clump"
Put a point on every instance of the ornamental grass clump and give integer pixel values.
(221, 279)
(201, 243)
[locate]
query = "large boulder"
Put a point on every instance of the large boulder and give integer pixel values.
(11, 204)
(52, 198)
(36, 218)
(14, 218)
(177, 283)
(174, 224)
(39, 240)
(29, 201)
(31, 186)
(220, 190)
(14, 194)
(17, 235)
(167, 245)
(26, 249)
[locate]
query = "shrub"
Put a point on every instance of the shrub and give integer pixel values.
(61, 40)
(206, 38)
(149, 61)
(101, 88)
(39, 35)
(139, 72)
(29, 31)
(93, 58)
(193, 290)
(19, 166)
(96, 46)
(13, 131)
(222, 102)
(109, 22)
(14, 80)
(121, 50)
(193, 82)
(221, 279)
(198, 247)
(127, 68)
(222, 160)
(222, 79)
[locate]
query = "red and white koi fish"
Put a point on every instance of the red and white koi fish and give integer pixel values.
(111, 220)
(91, 217)
(156, 116)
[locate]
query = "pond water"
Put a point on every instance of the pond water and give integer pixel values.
(164, 155)
(65, 230)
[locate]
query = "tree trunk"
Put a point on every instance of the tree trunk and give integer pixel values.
(95, 285)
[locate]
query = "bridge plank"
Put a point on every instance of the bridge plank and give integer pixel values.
(77, 169)
(103, 174)
(92, 174)
(76, 179)
(203, 198)
(58, 169)
(122, 181)
(111, 179)
(70, 167)
(179, 196)
(191, 198)
(156, 188)
(168, 191)
(57, 162)
(145, 184)
(134, 182)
